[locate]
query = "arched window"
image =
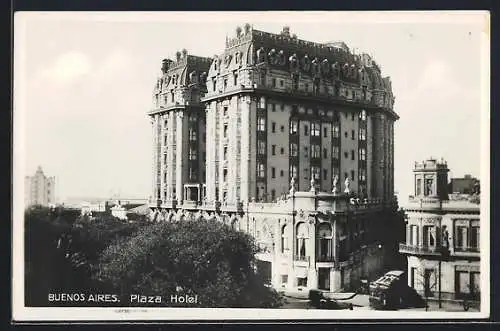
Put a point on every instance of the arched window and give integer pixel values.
(301, 241)
(325, 242)
(284, 239)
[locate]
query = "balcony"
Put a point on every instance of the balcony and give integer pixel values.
(466, 251)
(325, 258)
(301, 258)
(421, 250)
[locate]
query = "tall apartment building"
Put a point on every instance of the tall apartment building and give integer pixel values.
(442, 236)
(39, 189)
(288, 121)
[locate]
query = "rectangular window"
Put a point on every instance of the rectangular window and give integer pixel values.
(225, 84)
(282, 173)
(224, 111)
(293, 126)
(461, 237)
(282, 128)
(235, 79)
(225, 130)
(261, 124)
(325, 132)
(214, 84)
(306, 151)
(474, 238)
(418, 187)
(315, 129)
(224, 175)
(192, 134)
(362, 154)
(306, 130)
(362, 134)
(353, 157)
(282, 151)
(325, 153)
(273, 172)
(282, 83)
(315, 151)
(225, 152)
(273, 194)
(262, 147)
(362, 175)
(261, 170)
(192, 154)
(336, 152)
(353, 135)
(325, 174)
(273, 127)
(294, 149)
(274, 82)
(315, 172)
(352, 175)
(273, 149)
(335, 131)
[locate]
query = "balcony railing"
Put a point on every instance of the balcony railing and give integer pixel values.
(415, 249)
(301, 258)
(469, 249)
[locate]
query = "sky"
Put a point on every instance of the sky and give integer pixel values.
(83, 84)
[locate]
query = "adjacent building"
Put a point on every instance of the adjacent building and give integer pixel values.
(39, 189)
(464, 185)
(289, 140)
(442, 236)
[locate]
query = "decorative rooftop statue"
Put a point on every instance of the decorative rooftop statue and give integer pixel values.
(347, 183)
(313, 185)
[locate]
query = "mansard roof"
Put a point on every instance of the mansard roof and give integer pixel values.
(332, 60)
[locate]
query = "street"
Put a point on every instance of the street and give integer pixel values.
(361, 302)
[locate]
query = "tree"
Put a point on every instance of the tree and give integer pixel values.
(204, 258)
(62, 250)
(427, 281)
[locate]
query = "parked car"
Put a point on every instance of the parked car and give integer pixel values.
(319, 301)
(385, 292)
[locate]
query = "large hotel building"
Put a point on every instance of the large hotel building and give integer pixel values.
(289, 140)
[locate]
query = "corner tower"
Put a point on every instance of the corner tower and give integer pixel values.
(178, 123)
(430, 179)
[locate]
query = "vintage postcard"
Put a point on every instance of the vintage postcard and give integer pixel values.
(184, 166)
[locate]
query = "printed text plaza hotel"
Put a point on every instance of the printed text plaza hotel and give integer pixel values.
(289, 140)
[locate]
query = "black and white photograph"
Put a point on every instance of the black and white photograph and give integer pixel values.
(251, 165)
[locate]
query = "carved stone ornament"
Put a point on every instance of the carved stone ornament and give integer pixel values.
(347, 184)
(334, 184)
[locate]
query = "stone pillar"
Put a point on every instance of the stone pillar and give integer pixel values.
(210, 150)
(334, 280)
(179, 142)
(312, 281)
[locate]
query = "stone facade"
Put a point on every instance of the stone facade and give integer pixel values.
(39, 189)
(274, 109)
(442, 236)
